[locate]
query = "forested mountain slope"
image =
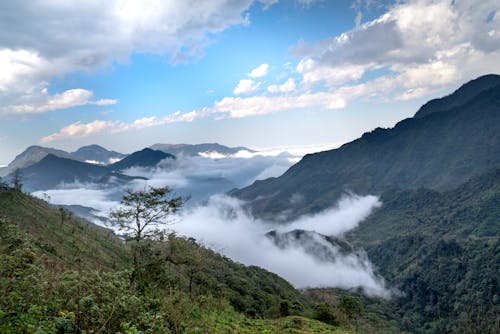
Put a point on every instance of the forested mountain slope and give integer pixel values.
(442, 251)
(439, 150)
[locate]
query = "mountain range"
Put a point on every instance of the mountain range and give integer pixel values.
(45, 168)
(434, 239)
(448, 141)
(53, 171)
(94, 154)
(196, 149)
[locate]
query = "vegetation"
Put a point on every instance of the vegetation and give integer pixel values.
(60, 274)
(141, 216)
(442, 251)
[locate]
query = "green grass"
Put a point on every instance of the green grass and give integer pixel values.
(71, 243)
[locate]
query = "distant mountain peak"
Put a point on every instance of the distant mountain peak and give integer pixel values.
(193, 150)
(144, 158)
(97, 154)
(460, 96)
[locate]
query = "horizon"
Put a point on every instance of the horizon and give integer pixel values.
(260, 74)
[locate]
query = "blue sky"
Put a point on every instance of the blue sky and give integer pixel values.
(127, 74)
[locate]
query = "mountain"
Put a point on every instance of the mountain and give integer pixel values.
(460, 96)
(144, 158)
(33, 154)
(439, 150)
(195, 150)
(97, 154)
(441, 250)
(51, 171)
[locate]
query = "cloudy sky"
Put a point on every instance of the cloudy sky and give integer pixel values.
(126, 74)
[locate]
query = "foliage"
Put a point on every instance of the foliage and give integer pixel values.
(442, 251)
(144, 211)
(185, 288)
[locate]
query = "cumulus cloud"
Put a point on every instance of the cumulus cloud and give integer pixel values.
(287, 87)
(228, 107)
(67, 99)
(259, 71)
(415, 49)
(423, 45)
(237, 107)
(246, 86)
(81, 130)
(40, 40)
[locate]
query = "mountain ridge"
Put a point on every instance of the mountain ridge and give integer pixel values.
(434, 151)
(196, 149)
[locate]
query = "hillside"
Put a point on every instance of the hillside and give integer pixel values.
(59, 274)
(439, 150)
(62, 239)
(442, 251)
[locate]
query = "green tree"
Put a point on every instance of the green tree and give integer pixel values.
(143, 213)
(351, 307)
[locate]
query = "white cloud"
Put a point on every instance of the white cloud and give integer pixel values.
(237, 107)
(423, 46)
(312, 261)
(415, 55)
(40, 40)
(228, 107)
(259, 71)
(67, 99)
(287, 87)
(326, 266)
(81, 130)
(245, 87)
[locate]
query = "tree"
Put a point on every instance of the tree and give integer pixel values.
(143, 213)
(17, 179)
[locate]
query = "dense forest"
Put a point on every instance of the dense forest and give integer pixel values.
(442, 251)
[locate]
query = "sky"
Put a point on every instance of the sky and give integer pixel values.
(263, 74)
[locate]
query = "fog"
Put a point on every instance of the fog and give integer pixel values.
(306, 259)
(225, 226)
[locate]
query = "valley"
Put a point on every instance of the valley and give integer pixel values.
(405, 220)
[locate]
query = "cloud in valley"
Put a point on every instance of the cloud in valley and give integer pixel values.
(243, 239)
(222, 223)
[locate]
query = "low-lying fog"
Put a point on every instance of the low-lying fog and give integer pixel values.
(306, 259)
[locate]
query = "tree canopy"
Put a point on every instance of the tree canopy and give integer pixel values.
(144, 212)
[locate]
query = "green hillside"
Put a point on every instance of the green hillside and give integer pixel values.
(442, 251)
(61, 238)
(69, 276)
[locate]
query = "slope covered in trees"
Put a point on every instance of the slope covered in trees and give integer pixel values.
(59, 274)
(442, 251)
(438, 150)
